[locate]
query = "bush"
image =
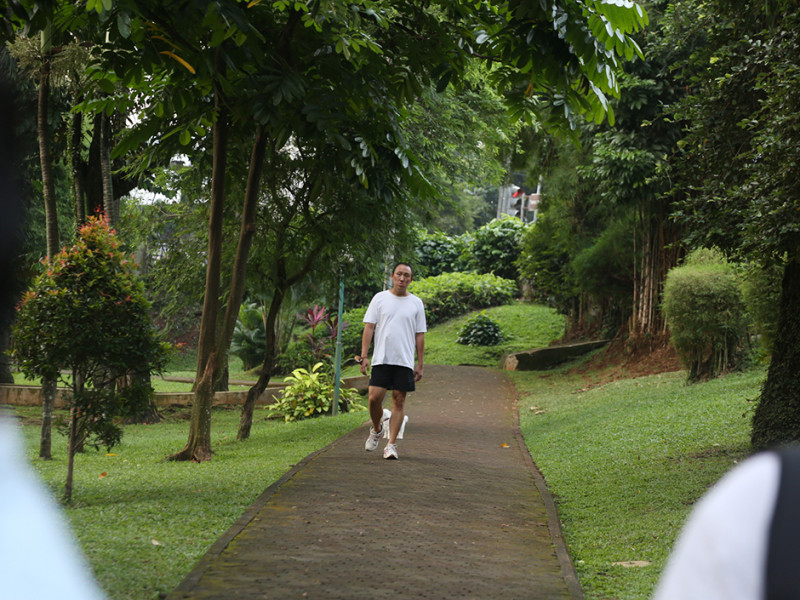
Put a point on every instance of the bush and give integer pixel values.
(87, 313)
(480, 330)
(311, 394)
(705, 312)
(351, 335)
(438, 253)
(250, 336)
(761, 287)
(453, 294)
(496, 247)
(297, 355)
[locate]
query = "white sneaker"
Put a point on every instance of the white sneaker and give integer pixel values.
(374, 438)
(390, 451)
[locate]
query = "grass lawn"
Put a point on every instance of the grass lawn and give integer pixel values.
(624, 460)
(143, 522)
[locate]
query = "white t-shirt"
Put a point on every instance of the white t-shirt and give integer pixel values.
(397, 320)
(721, 553)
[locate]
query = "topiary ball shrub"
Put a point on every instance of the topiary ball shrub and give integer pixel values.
(706, 315)
(480, 330)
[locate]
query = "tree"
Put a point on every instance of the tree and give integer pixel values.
(86, 313)
(380, 55)
(738, 164)
(496, 246)
(608, 205)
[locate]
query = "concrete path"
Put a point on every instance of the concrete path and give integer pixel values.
(463, 514)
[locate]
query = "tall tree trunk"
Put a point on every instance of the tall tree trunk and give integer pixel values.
(109, 208)
(74, 142)
(51, 226)
(246, 421)
(48, 405)
(658, 252)
(72, 446)
(198, 446)
(777, 416)
(46, 161)
(246, 233)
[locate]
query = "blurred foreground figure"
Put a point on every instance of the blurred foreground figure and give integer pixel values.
(742, 540)
(38, 558)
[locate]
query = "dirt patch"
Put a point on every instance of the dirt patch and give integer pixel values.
(619, 361)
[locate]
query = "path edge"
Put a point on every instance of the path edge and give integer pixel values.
(553, 521)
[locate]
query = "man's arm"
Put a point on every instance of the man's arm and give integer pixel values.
(366, 340)
(419, 340)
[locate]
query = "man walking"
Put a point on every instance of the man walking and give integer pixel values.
(395, 319)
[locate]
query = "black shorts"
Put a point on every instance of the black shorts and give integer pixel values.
(393, 377)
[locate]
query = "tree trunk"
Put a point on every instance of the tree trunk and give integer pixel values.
(282, 288)
(198, 448)
(199, 445)
(48, 404)
(246, 233)
(74, 141)
(777, 416)
(150, 414)
(109, 208)
(46, 161)
(72, 443)
(51, 225)
(658, 252)
(246, 421)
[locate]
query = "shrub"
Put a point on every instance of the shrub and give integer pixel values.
(761, 288)
(250, 336)
(87, 313)
(453, 294)
(496, 247)
(297, 355)
(480, 330)
(705, 312)
(351, 335)
(438, 253)
(311, 394)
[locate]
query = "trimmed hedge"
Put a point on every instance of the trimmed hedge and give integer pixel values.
(452, 294)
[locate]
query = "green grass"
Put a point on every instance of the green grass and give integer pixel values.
(144, 522)
(527, 326)
(626, 460)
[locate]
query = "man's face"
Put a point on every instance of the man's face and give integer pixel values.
(402, 277)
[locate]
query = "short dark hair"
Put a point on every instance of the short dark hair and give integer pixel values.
(405, 264)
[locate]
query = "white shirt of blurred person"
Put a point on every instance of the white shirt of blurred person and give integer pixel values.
(38, 556)
(721, 553)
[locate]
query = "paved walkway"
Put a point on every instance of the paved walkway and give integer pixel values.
(463, 514)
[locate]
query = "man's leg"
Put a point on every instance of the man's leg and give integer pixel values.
(398, 414)
(376, 396)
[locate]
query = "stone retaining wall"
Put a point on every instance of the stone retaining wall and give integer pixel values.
(31, 395)
(544, 358)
